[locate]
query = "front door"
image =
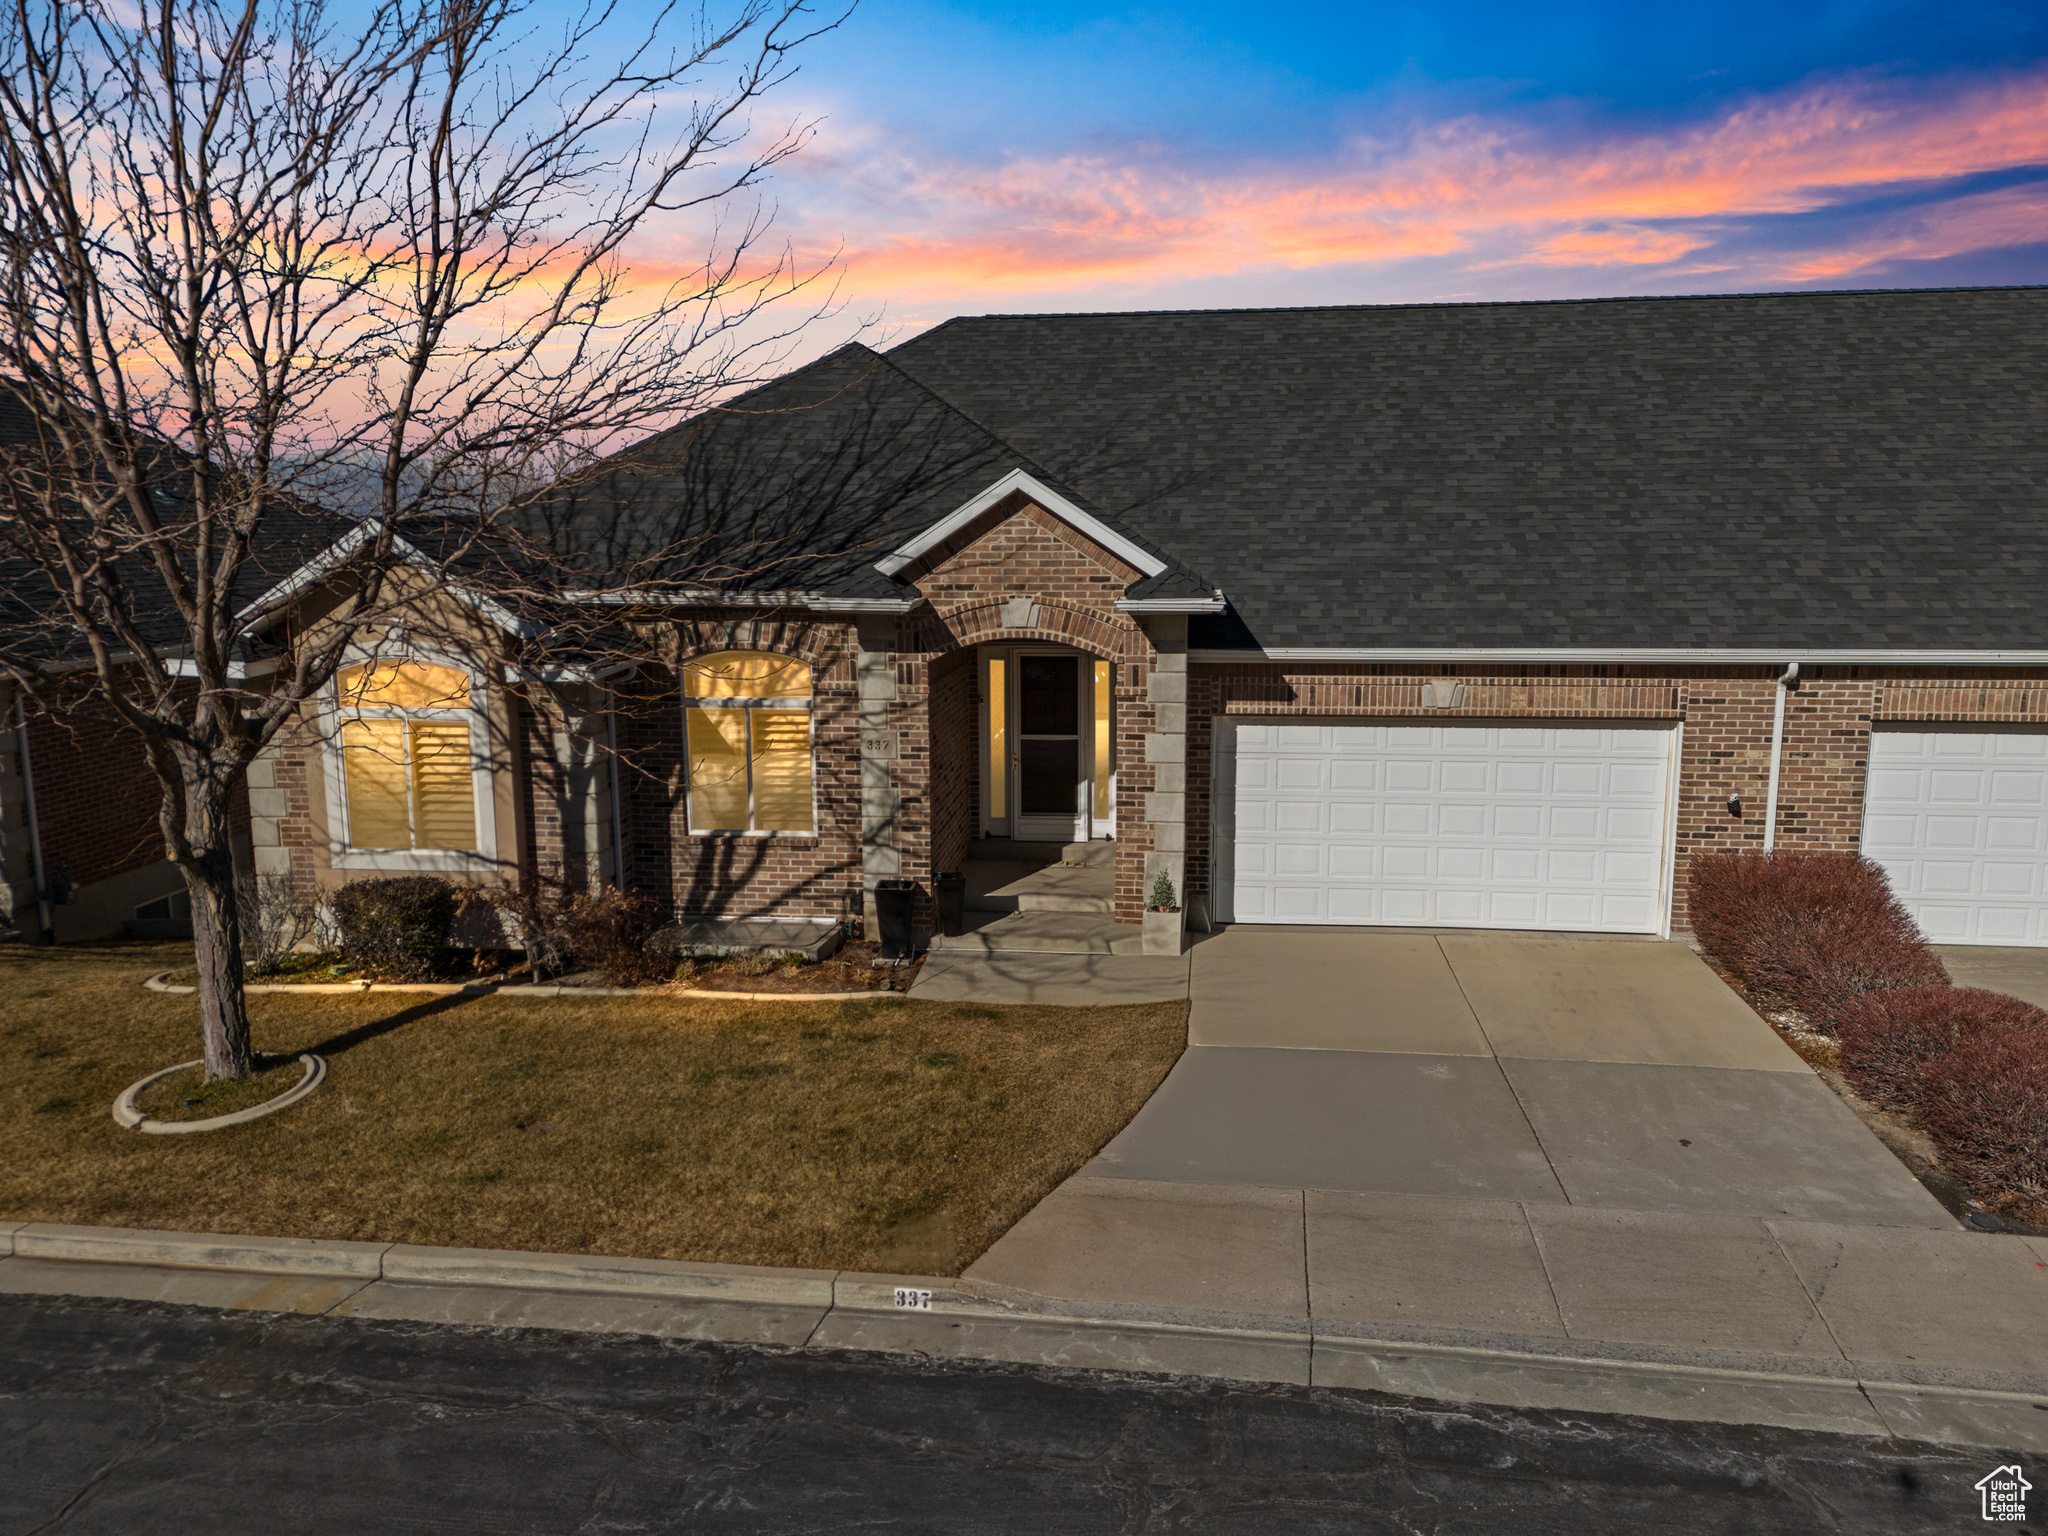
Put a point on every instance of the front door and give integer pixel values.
(1052, 772)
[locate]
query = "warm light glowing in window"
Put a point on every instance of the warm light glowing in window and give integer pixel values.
(750, 751)
(998, 743)
(1104, 764)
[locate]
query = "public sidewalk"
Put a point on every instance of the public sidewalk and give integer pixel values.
(1915, 1334)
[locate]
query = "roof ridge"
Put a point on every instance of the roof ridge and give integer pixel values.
(640, 445)
(1039, 469)
(1412, 304)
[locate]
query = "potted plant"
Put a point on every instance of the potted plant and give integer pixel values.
(1162, 917)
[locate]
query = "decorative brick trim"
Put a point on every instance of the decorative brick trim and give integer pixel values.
(1245, 691)
(818, 645)
(1965, 701)
(983, 624)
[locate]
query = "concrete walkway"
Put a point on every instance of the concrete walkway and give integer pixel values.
(1063, 980)
(1898, 1309)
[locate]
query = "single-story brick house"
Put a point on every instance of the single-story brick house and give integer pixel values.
(1482, 615)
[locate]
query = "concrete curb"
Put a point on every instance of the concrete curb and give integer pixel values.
(323, 1258)
(160, 983)
(129, 1116)
(598, 1275)
(941, 1318)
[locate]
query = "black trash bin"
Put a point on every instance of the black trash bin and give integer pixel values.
(949, 897)
(894, 900)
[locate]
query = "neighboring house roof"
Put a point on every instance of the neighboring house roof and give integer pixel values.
(30, 614)
(1821, 470)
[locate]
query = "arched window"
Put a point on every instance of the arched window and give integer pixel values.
(406, 762)
(747, 720)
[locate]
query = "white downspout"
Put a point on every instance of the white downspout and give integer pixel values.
(44, 911)
(1785, 682)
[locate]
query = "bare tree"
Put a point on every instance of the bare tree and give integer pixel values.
(261, 260)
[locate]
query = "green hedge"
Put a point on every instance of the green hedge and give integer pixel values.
(396, 927)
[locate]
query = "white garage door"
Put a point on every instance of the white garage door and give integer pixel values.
(1450, 826)
(1959, 820)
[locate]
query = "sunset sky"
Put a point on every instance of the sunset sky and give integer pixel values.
(975, 158)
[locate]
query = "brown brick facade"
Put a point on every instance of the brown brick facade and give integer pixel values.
(779, 875)
(97, 800)
(1725, 747)
(1021, 557)
(1020, 575)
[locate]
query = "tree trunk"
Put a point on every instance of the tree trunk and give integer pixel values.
(217, 940)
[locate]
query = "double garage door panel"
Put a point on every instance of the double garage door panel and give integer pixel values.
(1959, 820)
(1452, 826)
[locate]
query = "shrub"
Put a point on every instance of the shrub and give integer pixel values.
(610, 933)
(276, 918)
(396, 927)
(1162, 897)
(1809, 931)
(541, 909)
(1986, 1103)
(1889, 1039)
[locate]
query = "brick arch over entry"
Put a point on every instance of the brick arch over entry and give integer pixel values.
(986, 624)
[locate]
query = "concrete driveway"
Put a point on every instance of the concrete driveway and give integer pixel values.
(2015, 972)
(1605, 1072)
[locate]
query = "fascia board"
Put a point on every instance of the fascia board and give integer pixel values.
(568, 673)
(331, 559)
(306, 576)
(1044, 496)
(703, 598)
(238, 671)
(1144, 605)
(1577, 655)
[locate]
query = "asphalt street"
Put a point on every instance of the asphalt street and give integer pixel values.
(128, 1417)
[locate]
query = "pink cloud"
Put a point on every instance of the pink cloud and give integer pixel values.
(1482, 192)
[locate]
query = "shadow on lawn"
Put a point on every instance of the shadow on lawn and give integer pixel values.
(362, 1034)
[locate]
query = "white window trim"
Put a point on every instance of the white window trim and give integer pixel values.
(808, 704)
(484, 858)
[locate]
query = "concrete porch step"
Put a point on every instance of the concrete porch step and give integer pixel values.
(1009, 886)
(1098, 854)
(1045, 933)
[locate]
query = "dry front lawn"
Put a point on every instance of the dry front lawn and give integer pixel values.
(890, 1135)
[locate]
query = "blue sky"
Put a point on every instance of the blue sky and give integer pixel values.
(975, 158)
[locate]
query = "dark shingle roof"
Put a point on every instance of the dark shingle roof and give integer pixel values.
(801, 485)
(1834, 470)
(32, 623)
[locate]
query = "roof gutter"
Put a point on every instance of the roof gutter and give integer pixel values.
(1577, 655)
(1144, 605)
(706, 597)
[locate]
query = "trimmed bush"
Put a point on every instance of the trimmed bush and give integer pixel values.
(611, 932)
(1808, 931)
(1889, 1039)
(397, 927)
(1986, 1103)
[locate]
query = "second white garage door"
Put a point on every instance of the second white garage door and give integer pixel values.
(1959, 820)
(1455, 826)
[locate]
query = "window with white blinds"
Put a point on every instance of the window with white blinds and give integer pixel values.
(406, 762)
(747, 720)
